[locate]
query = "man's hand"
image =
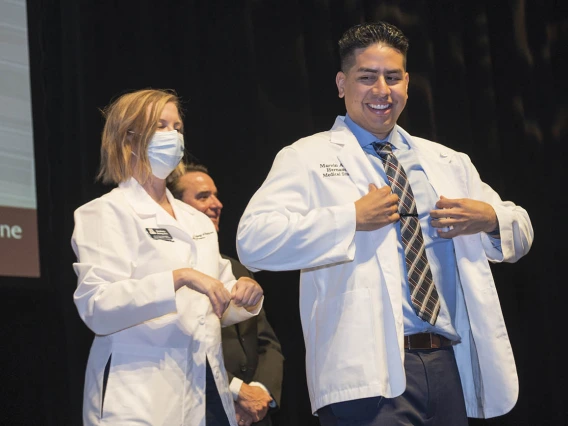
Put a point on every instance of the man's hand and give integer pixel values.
(376, 209)
(464, 216)
(246, 293)
(243, 418)
(203, 283)
(254, 401)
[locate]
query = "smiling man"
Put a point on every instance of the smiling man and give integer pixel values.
(393, 235)
(196, 188)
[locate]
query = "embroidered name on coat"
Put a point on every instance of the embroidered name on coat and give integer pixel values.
(333, 169)
(201, 236)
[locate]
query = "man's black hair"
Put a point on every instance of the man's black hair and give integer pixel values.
(364, 35)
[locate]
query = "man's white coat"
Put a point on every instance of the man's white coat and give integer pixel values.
(303, 217)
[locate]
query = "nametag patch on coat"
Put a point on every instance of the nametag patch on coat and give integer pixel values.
(160, 234)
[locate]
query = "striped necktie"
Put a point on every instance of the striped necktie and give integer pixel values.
(423, 293)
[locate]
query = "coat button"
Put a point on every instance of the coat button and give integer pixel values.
(243, 368)
(201, 320)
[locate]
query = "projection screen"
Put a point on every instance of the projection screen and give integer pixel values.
(18, 218)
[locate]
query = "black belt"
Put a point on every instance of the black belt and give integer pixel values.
(426, 341)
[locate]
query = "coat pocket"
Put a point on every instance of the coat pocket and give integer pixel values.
(146, 385)
(346, 339)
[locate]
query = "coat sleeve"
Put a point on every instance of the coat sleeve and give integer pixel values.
(269, 370)
(515, 228)
(107, 298)
(233, 314)
(285, 228)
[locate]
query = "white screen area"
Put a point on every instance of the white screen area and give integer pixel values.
(18, 219)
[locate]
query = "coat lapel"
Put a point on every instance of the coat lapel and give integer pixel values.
(435, 164)
(384, 240)
(153, 216)
(354, 159)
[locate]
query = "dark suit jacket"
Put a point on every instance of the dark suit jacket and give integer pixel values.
(252, 351)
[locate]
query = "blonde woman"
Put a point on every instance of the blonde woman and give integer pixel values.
(151, 283)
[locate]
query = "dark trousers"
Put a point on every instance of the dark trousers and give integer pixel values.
(214, 411)
(433, 397)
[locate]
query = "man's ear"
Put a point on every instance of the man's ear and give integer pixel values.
(340, 82)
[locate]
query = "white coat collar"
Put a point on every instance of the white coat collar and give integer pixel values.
(144, 206)
(432, 157)
(353, 158)
(435, 159)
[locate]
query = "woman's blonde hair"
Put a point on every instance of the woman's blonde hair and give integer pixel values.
(131, 121)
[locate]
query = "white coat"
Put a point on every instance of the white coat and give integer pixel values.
(156, 339)
(303, 217)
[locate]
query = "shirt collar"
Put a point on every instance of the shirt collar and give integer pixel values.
(364, 137)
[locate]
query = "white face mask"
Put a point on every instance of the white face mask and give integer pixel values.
(165, 151)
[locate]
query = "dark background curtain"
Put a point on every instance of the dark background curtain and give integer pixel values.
(486, 78)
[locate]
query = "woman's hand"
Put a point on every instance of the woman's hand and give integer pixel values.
(246, 293)
(205, 284)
